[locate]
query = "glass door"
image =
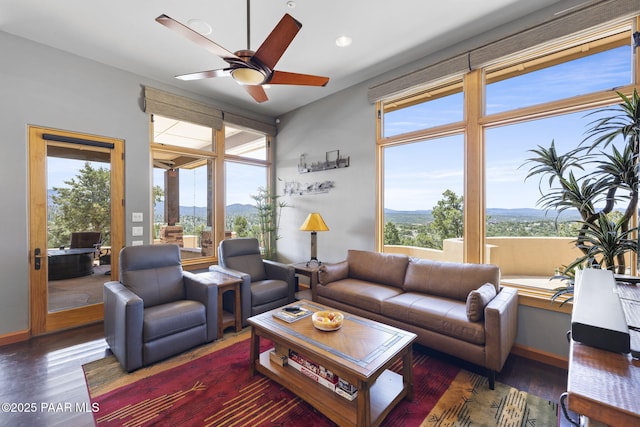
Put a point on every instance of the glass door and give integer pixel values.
(76, 225)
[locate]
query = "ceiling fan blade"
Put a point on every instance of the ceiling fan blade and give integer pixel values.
(276, 43)
(225, 72)
(257, 92)
(286, 78)
(197, 38)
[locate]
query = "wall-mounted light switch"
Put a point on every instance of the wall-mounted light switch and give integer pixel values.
(136, 217)
(137, 231)
(137, 243)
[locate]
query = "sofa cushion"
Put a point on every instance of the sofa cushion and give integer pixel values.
(358, 293)
(448, 279)
(442, 315)
(168, 319)
(388, 269)
(478, 300)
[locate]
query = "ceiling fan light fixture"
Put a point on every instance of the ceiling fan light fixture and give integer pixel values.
(248, 76)
(201, 26)
(343, 41)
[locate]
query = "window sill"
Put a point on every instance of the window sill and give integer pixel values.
(540, 298)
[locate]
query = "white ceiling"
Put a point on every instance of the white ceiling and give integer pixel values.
(386, 35)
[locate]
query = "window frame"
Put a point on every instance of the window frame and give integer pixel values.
(219, 159)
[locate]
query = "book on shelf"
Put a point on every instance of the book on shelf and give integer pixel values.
(346, 389)
(313, 367)
(291, 316)
(322, 376)
(310, 374)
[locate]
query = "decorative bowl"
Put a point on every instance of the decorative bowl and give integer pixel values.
(327, 320)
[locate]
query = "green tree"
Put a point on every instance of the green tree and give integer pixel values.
(391, 234)
(447, 217)
(84, 205)
(241, 226)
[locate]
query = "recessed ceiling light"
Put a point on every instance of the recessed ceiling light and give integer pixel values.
(343, 41)
(291, 4)
(266, 86)
(200, 26)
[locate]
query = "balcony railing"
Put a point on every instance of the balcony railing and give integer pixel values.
(527, 262)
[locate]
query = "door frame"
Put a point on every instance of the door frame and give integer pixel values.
(42, 321)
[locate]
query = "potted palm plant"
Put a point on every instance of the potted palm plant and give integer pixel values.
(606, 234)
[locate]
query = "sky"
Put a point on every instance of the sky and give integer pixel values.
(416, 174)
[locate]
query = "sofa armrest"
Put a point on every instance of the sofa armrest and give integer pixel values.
(328, 273)
(123, 316)
(245, 289)
(500, 323)
(199, 288)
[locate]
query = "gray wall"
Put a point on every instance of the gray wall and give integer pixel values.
(346, 122)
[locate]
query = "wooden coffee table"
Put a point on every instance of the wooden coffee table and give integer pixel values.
(361, 352)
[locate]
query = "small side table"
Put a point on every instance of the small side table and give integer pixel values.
(310, 271)
(226, 283)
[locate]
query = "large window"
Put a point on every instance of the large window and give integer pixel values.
(191, 207)
(527, 102)
(183, 183)
(423, 152)
(423, 188)
(245, 175)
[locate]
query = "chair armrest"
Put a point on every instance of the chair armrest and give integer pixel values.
(280, 271)
(501, 327)
(245, 289)
(198, 288)
(123, 316)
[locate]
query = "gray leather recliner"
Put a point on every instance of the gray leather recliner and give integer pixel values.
(265, 284)
(156, 309)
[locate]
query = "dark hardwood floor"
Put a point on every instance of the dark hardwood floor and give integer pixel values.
(45, 375)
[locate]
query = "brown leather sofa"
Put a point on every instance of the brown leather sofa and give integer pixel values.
(444, 303)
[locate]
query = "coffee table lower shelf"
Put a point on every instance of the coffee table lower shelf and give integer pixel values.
(384, 394)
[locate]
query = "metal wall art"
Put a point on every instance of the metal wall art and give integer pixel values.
(333, 160)
(293, 188)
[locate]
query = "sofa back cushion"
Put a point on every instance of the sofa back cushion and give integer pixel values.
(449, 279)
(388, 269)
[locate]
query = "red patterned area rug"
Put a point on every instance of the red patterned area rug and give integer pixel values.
(211, 386)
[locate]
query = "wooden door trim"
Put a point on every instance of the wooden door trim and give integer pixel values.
(41, 320)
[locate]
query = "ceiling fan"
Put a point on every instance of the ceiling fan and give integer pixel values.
(248, 68)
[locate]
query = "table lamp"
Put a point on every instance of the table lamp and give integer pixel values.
(314, 223)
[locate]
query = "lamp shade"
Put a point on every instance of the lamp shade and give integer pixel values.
(314, 222)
